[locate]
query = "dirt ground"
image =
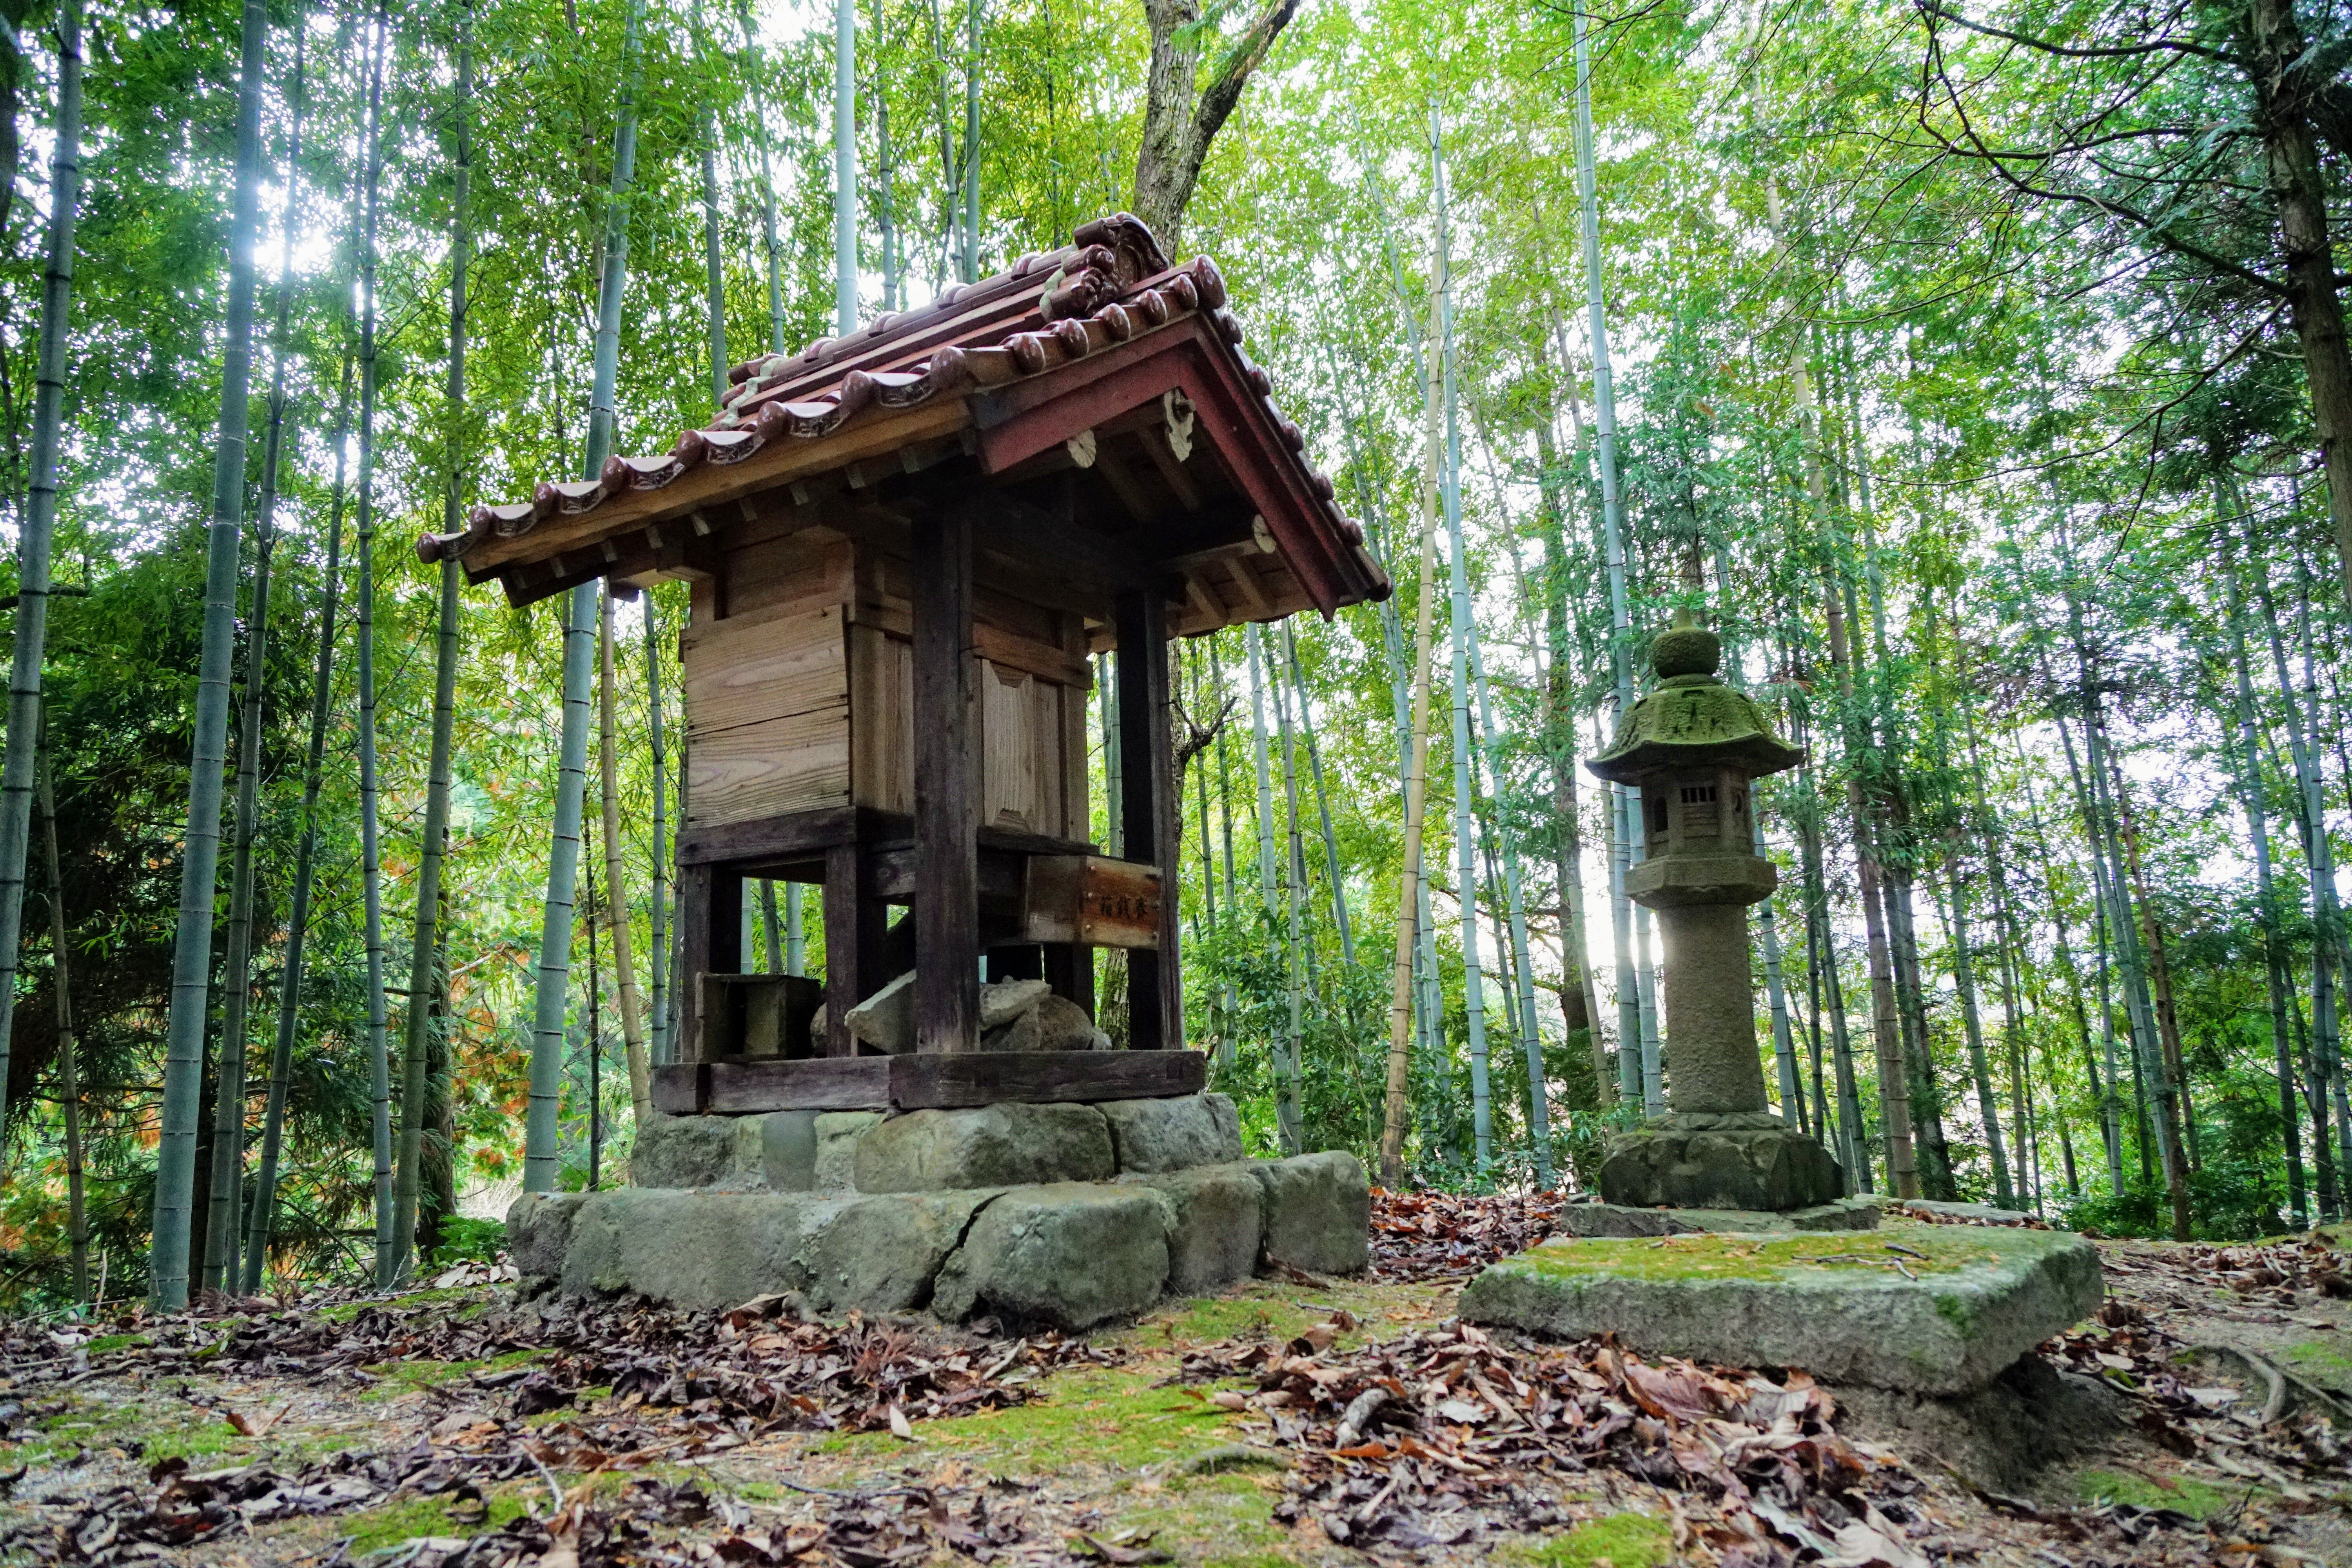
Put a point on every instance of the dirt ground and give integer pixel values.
(1290, 1422)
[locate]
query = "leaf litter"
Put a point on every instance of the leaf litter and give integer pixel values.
(1429, 1446)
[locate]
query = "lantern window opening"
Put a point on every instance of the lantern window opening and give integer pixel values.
(1698, 795)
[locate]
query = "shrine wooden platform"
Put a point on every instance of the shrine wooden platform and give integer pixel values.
(924, 1080)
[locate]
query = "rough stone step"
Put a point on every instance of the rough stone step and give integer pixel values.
(1944, 1314)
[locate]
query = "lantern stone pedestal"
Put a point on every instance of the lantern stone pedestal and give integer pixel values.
(1724, 1196)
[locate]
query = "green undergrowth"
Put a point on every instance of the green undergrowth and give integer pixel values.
(344, 1311)
(2194, 1498)
(406, 1519)
(1088, 1418)
(1620, 1539)
(411, 1376)
(1277, 1310)
(1927, 1250)
(2320, 1360)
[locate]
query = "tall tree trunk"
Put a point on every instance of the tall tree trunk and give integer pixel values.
(1412, 899)
(540, 1154)
(616, 891)
(33, 541)
(192, 945)
(1179, 117)
(60, 945)
(2280, 68)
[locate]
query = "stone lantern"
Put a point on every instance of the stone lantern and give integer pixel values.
(1692, 746)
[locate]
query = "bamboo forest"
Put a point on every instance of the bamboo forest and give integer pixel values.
(1977, 373)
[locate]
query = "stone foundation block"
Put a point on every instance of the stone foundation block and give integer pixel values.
(811, 1150)
(1153, 1135)
(698, 1151)
(1217, 1222)
(1974, 1299)
(693, 1248)
(1318, 1212)
(988, 1146)
(1719, 1161)
(881, 1254)
(1067, 1255)
(1616, 1220)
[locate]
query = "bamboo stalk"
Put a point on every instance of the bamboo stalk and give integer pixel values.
(616, 891)
(68, 1047)
(364, 607)
(541, 1158)
(192, 944)
(35, 539)
(1397, 1108)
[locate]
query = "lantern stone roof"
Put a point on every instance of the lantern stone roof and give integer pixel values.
(1691, 722)
(1102, 390)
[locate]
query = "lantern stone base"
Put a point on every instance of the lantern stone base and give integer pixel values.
(1945, 1315)
(1720, 1160)
(1058, 1215)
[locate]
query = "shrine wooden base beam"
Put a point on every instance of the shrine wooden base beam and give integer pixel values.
(925, 1080)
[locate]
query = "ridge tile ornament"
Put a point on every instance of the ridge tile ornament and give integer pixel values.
(1693, 746)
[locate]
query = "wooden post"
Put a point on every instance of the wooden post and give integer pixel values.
(855, 925)
(946, 787)
(710, 934)
(1155, 996)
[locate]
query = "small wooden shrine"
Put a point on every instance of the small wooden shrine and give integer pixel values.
(904, 544)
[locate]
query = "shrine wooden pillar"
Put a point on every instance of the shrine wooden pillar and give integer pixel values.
(1155, 998)
(946, 785)
(710, 941)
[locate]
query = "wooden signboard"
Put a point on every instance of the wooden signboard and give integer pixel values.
(1092, 900)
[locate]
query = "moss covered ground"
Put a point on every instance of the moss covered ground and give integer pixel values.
(1923, 1250)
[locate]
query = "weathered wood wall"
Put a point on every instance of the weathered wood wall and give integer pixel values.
(800, 689)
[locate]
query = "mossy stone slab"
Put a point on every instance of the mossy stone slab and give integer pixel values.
(1973, 1300)
(1587, 1220)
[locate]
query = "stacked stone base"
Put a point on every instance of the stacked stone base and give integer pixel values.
(1056, 1216)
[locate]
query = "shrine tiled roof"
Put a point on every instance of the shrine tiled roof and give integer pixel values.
(1045, 312)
